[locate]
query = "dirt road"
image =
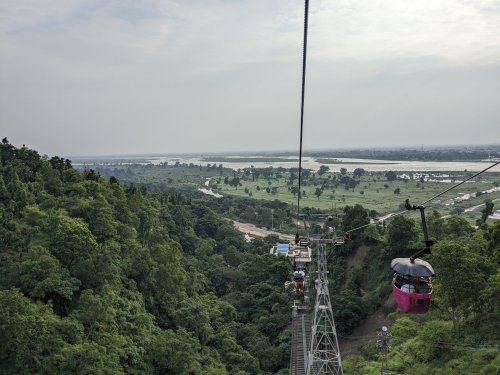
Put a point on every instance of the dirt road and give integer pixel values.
(252, 230)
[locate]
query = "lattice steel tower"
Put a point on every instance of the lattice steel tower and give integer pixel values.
(383, 346)
(324, 354)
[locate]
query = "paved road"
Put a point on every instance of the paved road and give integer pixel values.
(479, 205)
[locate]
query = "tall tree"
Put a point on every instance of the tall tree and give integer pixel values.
(457, 226)
(323, 169)
(391, 176)
(459, 280)
(358, 172)
(355, 216)
(487, 210)
(401, 232)
(318, 192)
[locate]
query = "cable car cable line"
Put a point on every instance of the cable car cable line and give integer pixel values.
(304, 56)
(460, 183)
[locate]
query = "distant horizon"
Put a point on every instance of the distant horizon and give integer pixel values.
(284, 151)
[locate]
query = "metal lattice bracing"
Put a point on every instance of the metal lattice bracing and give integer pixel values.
(383, 346)
(324, 355)
(301, 336)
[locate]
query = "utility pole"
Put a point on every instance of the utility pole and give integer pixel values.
(272, 219)
(383, 346)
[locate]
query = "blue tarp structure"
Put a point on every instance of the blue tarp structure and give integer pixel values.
(282, 248)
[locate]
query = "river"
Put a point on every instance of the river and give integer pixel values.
(350, 164)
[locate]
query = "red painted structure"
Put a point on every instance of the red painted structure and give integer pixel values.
(411, 302)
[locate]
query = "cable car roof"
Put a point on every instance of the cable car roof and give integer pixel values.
(417, 268)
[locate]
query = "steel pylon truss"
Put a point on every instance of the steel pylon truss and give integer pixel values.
(324, 354)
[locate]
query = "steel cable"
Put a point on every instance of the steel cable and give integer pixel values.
(304, 59)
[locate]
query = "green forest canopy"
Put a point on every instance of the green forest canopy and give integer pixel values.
(98, 278)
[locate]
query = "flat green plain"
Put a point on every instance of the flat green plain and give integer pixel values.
(373, 191)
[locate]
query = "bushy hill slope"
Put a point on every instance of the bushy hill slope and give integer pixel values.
(99, 279)
(460, 335)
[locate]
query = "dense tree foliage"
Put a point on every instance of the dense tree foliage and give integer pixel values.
(100, 279)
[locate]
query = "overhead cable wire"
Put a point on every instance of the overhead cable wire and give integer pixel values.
(390, 216)
(304, 55)
(460, 183)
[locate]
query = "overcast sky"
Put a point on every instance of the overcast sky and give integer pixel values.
(95, 77)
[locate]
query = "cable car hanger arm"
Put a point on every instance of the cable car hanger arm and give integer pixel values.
(428, 243)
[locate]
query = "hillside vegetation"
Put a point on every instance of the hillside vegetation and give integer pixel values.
(460, 333)
(99, 279)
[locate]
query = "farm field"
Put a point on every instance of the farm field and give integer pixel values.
(373, 192)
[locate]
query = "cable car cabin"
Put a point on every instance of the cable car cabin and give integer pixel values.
(299, 254)
(298, 279)
(412, 296)
(341, 241)
(411, 285)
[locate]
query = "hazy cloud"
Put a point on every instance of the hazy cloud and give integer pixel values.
(96, 77)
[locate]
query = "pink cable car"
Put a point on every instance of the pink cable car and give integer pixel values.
(411, 285)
